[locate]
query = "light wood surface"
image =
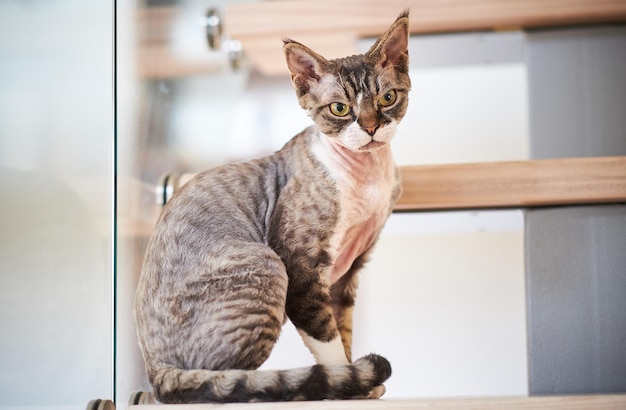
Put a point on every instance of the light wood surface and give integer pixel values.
(599, 402)
(515, 184)
(332, 27)
(260, 26)
(567, 181)
(371, 17)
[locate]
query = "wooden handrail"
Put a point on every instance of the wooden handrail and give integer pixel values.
(517, 184)
(372, 17)
(514, 184)
(332, 28)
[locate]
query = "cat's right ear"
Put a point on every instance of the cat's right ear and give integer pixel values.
(305, 65)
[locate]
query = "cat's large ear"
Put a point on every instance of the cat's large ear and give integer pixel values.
(391, 49)
(305, 65)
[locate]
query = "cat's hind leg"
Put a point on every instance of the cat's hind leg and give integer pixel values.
(230, 311)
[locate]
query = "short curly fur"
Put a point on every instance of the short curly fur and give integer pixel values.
(241, 247)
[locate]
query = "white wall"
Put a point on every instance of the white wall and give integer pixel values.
(462, 114)
(447, 309)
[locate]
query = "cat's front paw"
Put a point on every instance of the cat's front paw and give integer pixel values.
(377, 392)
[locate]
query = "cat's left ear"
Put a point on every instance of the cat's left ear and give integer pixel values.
(306, 66)
(392, 48)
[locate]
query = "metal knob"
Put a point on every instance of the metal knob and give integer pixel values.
(214, 28)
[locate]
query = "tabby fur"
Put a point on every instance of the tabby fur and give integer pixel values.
(242, 247)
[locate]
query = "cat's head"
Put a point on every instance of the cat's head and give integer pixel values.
(359, 100)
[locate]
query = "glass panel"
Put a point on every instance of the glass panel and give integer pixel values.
(170, 121)
(56, 223)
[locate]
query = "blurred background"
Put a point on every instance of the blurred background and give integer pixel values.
(90, 123)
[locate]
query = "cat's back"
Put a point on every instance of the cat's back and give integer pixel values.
(231, 202)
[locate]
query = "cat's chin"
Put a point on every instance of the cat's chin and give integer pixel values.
(372, 146)
(354, 146)
(369, 147)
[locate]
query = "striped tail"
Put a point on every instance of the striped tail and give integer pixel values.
(356, 380)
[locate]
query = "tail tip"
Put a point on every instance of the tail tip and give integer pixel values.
(381, 366)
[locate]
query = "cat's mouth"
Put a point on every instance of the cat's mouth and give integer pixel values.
(372, 145)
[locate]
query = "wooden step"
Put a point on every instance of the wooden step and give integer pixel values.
(595, 402)
(513, 184)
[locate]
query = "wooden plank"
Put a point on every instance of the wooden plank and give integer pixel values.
(596, 402)
(566, 181)
(351, 19)
(371, 17)
(515, 184)
(332, 28)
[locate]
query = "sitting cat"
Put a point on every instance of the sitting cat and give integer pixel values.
(241, 247)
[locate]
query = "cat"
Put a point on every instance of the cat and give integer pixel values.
(242, 247)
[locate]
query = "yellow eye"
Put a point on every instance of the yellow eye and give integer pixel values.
(339, 109)
(388, 98)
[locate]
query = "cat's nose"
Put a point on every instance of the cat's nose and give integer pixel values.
(370, 130)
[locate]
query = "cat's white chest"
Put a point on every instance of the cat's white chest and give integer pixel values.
(365, 190)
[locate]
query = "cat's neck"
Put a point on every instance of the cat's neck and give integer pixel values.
(357, 167)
